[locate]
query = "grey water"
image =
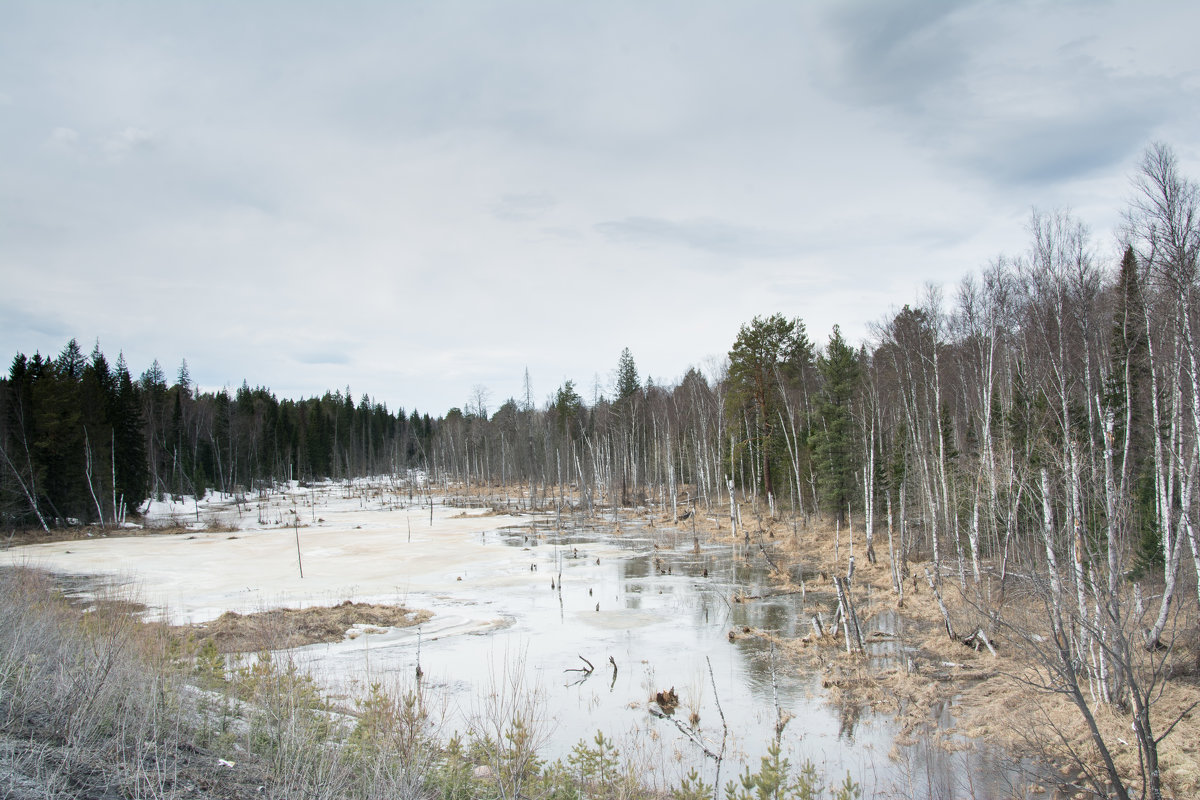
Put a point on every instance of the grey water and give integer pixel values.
(649, 614)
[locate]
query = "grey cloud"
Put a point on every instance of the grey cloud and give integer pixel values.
(561, 233)
(327, 357)
(1054, 150)
(64, 136)
(894, 53)
(711, 236)
(129, 140)
(522, 207)
(18, 324)
(1033, 113)
(1085, 119)
(92, 150)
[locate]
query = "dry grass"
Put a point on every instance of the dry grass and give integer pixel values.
(992, 697)
(997, 697)
(285, 628)
(27, 536)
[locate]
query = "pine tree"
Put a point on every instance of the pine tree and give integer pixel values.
(184, 379)
(767, 353)
(70, 362)
(58, 444)
(97, 401)
(22, 488)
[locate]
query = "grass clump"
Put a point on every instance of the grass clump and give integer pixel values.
(285, 628)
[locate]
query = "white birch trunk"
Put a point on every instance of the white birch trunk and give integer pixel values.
(1051, 558)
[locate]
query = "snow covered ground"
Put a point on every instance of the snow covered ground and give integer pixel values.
(659, 611)
(355, 543)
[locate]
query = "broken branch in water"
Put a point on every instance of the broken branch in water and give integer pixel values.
(724, 725)
(585, 670)
(691, 735)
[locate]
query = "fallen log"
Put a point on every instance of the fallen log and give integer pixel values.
(977, 638)
(941, 605)
(849, 619)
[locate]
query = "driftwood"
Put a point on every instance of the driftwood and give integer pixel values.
(693, 735)
(977, 638)
(941, 605)
(690, 734)
(743, 598)
(586, 670)
(850, 625)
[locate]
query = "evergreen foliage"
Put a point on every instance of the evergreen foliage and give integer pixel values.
(768, 357)
(628, 384)
(92, 444)
(834, 439)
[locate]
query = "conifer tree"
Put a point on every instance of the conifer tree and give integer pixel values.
(1127, 399)
(130, 446)
(568, 407)
(767, 352)
(628, 383)
(834, 440)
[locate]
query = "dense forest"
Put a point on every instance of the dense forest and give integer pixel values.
(81, 440)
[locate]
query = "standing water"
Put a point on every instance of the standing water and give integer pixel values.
(615, 618)
(582, 625)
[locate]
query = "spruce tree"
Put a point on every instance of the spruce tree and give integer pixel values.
(628, 384)
(568, 408)
(130, 453)
(833, 433)
(1127, 399)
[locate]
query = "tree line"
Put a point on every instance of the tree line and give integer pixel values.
(83, 441)
(1054, 397)
(1036, 433)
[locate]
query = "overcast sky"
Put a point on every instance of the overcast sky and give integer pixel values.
(419, 198)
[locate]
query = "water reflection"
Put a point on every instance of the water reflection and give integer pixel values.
(662, 615)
